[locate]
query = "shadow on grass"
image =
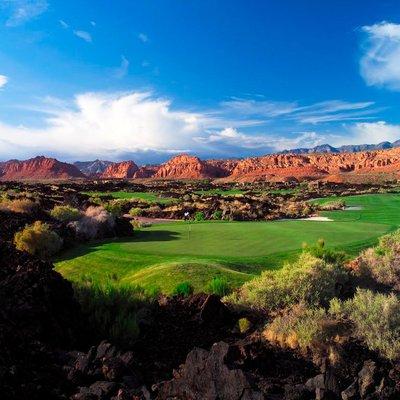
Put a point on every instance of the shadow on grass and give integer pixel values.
(140, 236)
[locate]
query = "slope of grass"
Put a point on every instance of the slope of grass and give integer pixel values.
(148, 196)
(164, 255)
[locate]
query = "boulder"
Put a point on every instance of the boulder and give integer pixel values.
(209, 375)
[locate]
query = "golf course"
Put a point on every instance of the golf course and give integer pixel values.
(164, 255)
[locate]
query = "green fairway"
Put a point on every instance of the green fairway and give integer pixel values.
(379, 208)
(148, 196)
(166, 254)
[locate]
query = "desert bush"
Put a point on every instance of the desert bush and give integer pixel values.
(328, 255)
(219, 286)
(184, 289)
(244, 325)
(38, 239)
(302, 327)
(135, 212)
(65, 213)
(23, 206)
(217, 214)
(95, 223)
(199, 216)
(376, 320)
(137, 225)
(112, 309)
(333, 205)
(381, 263)
(115, 207)
(309, 279)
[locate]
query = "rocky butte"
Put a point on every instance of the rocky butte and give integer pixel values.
(38, 168)
(124, 169)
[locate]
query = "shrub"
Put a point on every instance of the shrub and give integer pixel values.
(320, 251)
(219, 286)
(38, 239)
(244, 325)
(115, 207)
(135, 212)
(112, 309)
(376, 320)
(95, 223)
(23, 206)
(309, 279)
(381, 263)
(333, 205)
(217, 215)
(199, 216)
(184, 289)
(302, 327)
(65, 213)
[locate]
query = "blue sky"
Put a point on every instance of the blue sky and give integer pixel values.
(147, 79)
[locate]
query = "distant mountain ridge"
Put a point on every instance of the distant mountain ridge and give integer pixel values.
(350, 148)
(321, 162)
(92, 168)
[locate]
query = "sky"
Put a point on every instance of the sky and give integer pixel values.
(149, 79)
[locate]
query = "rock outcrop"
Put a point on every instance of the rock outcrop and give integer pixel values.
(189, 167)
(38, 168)
(316, 166)
(121, 170)
(38, 313)
(147, 171)
(209, 375)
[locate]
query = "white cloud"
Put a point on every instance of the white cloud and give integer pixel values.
(325, 111)
(93, 23)
(3, 81)
(21, 11)
(122, 70)
(380, 63)
(143, 37)
(121, 125)
(372, 132)
(232, 138)
(63, 24)
(86, 36)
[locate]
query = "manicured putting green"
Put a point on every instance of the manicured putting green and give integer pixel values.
(166, 254)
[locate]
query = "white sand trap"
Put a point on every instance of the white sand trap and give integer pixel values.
(353, 208)
(316, 218)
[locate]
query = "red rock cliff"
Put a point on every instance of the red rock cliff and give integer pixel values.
(121, 170)
(38, 168)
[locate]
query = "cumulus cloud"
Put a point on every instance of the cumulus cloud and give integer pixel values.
(146, 127)
(21, 11)
(380, 62)
(86, 36)
(3, 81)
(143, 37)
(373, 132)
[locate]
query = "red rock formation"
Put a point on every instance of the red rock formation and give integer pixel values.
(121, 170)
(146, 171)
(38, 168)
(188, 167)
(314, 166)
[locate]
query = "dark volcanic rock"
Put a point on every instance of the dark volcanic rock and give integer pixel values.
(37, 313)
(207, 375)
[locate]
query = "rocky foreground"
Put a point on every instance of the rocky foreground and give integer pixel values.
(334, 167)
(188, 349)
